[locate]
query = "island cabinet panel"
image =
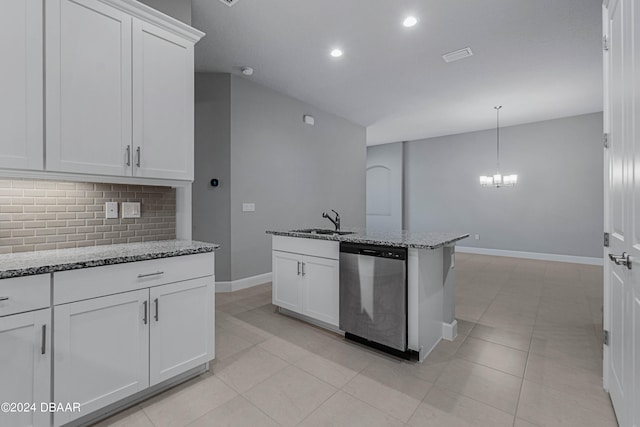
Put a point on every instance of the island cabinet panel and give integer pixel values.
(21, 103)
(304, 283)
(101, 351)
(25, 366)
(163, 103)
(181, 315)
(286, 280)
(320, 289)
(88, 62)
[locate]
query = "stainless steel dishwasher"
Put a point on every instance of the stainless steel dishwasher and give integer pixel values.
(373, 296)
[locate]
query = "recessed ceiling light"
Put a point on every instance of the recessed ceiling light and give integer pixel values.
(336, 53)
(410, 21)
(247, 71)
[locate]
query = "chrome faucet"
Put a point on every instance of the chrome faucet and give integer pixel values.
(335, 222)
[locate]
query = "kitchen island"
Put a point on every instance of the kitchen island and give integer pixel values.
(312, 292)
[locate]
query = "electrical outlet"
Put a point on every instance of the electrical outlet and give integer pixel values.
(130, 210)
(477, 236)
(111, 210)
(248, 207)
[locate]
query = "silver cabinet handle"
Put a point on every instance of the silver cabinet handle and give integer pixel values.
(299, 268)
(43, 346)
(144, 319)
(621, 259)
(128, 163)
(303, 273)
(155, 301)
(4, 298)
(157, 273)
(138, 157)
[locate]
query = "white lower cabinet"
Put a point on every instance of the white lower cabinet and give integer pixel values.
(101, 351)
(181, 321)
(286, 280)
(121, 329)
(320, 289)
(307, 285)
(25, 367)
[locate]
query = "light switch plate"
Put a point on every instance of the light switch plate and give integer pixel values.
(111, 210)
(248, 207)
(130, 210)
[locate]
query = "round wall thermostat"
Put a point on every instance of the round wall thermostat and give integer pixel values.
(215, 182)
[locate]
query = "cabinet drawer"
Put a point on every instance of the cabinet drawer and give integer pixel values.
(25, 294)
(76, 285)
(314, 247)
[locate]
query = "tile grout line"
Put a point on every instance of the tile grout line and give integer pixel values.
(526, 365)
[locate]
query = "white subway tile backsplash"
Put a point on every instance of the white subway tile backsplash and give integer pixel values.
(42, 215)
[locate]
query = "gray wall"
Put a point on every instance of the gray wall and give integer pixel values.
(253, 139)
(556, 208)
(211, 206)
(291, 171)
(179, 9)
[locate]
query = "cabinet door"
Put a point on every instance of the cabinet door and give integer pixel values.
(101, 352)
(25, 366)
(21, 96)
(287, 273)
(88, 102)
(320, 289)
(163, 103)
(181, 327)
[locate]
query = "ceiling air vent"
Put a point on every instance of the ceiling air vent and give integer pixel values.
(229, 2)
(457, 55)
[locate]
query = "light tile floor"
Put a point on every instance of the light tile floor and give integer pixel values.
(528, 353)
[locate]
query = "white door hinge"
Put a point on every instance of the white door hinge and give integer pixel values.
(605, 139)
(605, 43)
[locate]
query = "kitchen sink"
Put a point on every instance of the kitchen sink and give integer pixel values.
(323, 231)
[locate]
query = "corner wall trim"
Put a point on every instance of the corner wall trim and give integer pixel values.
(247, 282)
(531, 255)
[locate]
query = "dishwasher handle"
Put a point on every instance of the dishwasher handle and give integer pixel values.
(369, 252)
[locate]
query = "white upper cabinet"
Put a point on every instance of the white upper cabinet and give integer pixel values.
(119, 92)
(88, 87)
(162, 103)
(21, 98)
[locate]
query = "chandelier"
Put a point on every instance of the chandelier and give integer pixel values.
(498, 180)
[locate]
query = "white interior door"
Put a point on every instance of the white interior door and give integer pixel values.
(622, 210)
(385, 186)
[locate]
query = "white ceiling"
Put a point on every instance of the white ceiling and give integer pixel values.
(540, 59)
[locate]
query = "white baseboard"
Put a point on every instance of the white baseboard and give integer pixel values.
(245, 283)
(531, 255)
(450, 330)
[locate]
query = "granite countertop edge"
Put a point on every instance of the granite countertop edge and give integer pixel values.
(408, 240)
(174, 248)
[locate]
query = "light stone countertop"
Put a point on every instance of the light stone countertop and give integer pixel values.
(42, 262)
(403, 239)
